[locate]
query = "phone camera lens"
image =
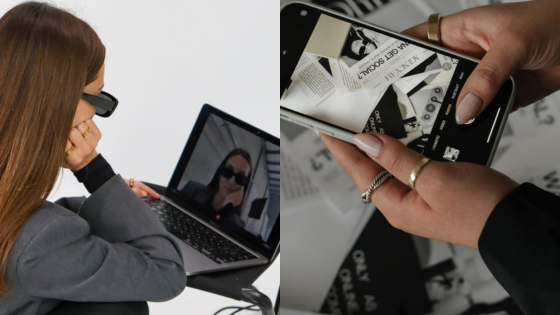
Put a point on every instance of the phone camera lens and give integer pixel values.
(430, 108)
(426, 117)
(434, 99)
(284, 52)
(437, 90)
(303, 13)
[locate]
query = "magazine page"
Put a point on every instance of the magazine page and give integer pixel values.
(388, 271)
(316, 234)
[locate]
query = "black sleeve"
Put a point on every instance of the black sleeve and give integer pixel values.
(95, 174)
(520, 244)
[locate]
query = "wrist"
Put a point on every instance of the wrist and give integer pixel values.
(85, 162)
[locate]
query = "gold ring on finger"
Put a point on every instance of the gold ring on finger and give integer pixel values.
(85, 134)
(416, 171)
(131, 182)
(69, 152)
(434, 35)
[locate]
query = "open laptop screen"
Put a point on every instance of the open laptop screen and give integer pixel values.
(232, 174)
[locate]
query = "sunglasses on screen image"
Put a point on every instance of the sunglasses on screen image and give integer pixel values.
(240, 179)
(105, 104)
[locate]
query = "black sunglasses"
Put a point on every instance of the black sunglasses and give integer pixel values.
(365, 42)
(240, 179)
(105, 104)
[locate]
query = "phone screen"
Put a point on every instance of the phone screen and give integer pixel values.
(360, 79)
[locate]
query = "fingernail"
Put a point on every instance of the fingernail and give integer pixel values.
(368, 143)
(468, 108)
(317, 133)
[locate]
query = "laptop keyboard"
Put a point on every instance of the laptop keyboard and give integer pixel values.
(200, 237)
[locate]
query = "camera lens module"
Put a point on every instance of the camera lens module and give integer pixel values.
(426, 117)
(303, 13)
(434, 99)
(430, 108)
(437, 90)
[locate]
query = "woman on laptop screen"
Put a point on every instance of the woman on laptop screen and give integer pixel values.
(224, 195)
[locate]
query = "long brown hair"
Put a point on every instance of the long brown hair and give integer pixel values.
(214, 184)
(47, 57)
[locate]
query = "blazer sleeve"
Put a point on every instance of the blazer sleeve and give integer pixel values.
(116, 250)
(520, 244)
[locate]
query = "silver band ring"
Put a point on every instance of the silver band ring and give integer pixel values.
(377, 181)
(416, 171)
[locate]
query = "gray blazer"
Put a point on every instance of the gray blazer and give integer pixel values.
(113, 248)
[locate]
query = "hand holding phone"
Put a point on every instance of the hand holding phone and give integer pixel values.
(384, 82)
(506, 38)
(451, 201)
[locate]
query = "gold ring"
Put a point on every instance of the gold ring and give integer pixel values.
(433, 28)
(72, 148)
(131, 183)
(416, 171)
(85, 134)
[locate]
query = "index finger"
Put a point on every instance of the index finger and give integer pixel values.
(147, 189)
(419, 31)
(93, 127)
(362, 170)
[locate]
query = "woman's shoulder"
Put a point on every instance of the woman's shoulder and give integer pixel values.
(194, 187)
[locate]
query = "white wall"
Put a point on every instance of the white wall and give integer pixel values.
(164, 60)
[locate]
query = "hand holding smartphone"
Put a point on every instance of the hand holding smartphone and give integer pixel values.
(341, 76)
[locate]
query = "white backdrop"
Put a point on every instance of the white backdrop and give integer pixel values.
(164, 60)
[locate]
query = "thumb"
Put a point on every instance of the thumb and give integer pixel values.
(501, 61)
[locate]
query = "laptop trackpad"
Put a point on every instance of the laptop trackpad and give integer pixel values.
(195, 261)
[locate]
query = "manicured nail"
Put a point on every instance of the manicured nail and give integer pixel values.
(368, 143)
(317, 133)
(468, 108)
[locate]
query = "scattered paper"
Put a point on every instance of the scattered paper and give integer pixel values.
(313, 80)
(344, 79)
(318, 163)
(387, 64)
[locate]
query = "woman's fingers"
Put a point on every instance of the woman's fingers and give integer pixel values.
(359, 167)
(94, 129)
(82, 127)
(147, 189)
(68, 146)
(139, 192)
(82, 148)
(452, 35)
(142, 190)
(397, 159)
(419, 31)
(391, 196)
(84, 142)
(487, 78)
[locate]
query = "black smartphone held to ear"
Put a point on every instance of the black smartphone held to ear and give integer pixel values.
(341, 76)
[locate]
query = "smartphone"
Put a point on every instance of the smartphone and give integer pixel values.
(342, 76)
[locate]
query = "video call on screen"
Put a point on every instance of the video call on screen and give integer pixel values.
(235, 176)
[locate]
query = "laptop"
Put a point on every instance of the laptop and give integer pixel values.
(222, 203)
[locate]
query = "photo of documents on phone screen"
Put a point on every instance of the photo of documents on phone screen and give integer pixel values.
(377, 83)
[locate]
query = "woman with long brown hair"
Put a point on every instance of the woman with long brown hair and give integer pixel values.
(223, 197)
(112, 248)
